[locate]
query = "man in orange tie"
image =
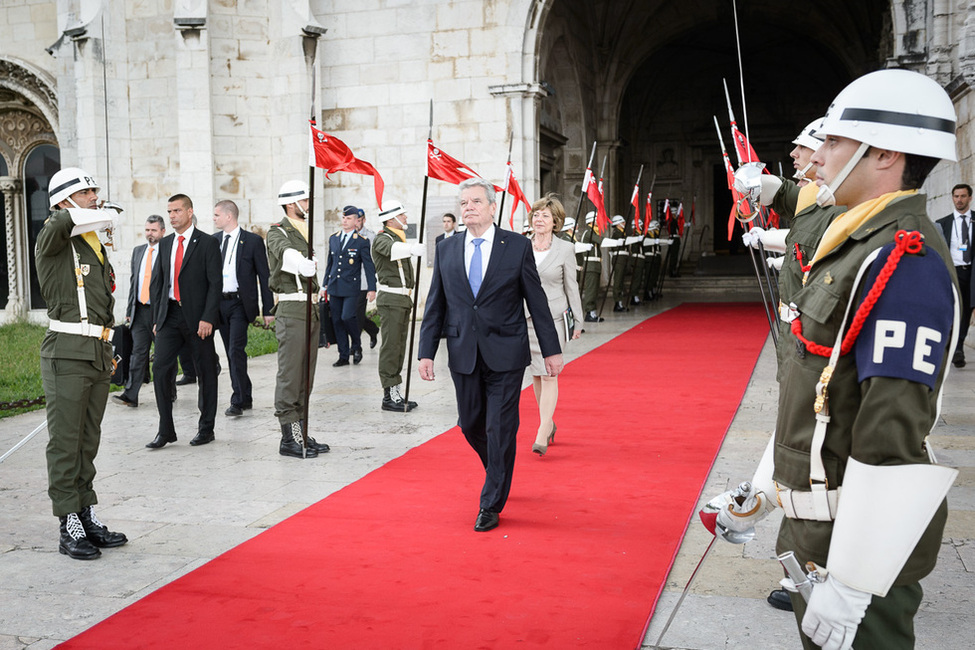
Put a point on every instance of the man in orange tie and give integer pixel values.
(138, 315)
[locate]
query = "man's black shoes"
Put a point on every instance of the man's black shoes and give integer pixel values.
(340, 362)
(619, 306)
(291, 442)
(593, 317)
(233, 411)
(202, 438)
(160, 441)
(779, 599)
(486, 520)
(357, 356)
(373, 339)
(393, 400)
(124, 401)
(184, 380)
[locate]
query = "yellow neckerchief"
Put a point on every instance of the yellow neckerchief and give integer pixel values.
(847, 223)
(300, 226)
(807, 196)
(92, 240)
(399, 233)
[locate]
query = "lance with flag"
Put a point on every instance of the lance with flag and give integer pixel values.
(635, 242)
(595, 226)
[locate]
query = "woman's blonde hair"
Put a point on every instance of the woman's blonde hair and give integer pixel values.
(551, 201)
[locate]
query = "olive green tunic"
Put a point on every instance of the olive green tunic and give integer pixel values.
(394, 308)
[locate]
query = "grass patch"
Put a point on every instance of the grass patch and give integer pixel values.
(20, 365)
(20, 362)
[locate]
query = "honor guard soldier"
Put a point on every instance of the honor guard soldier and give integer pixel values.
(850, 462)
(654, 263)
(616, 239)
(591, 262)
(638, 263)
(76, 280)
(568, 230)
(291, 274)
(395, 282)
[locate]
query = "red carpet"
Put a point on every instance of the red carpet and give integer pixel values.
(585, 543)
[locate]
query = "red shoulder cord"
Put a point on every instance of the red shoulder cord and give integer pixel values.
(802, 267)
(906, 242)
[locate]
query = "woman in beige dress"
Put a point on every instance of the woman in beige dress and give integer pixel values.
(555, 260)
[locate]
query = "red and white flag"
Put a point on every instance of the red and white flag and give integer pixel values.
(680, 219)
(648, 213)
(593, 190)
(333, 155)
(635, 202)
(444, 167)
(511, 187)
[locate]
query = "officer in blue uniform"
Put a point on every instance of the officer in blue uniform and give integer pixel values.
(348, 258)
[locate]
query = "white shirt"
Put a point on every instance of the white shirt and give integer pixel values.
(469, 248)
(956, 230)
(142, 269)
(230, 263)
(187, 234)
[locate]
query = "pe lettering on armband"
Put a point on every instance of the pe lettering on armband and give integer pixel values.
(909, 328)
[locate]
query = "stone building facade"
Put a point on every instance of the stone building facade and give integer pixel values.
(211, 98)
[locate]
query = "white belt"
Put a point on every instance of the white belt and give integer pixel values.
(788, 313)
(82, 329)
(623, 253)
(639, 255)
(297, 297)
(593, 259)
(800, 504)
(402, 291)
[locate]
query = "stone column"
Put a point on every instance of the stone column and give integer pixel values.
(16, 306)
(524, 101)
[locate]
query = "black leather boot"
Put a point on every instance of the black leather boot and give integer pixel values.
(393, 400)
(73, 542)
(291, 442)
(619, 306)
(320, 447)
(97, 532)
(593, 317)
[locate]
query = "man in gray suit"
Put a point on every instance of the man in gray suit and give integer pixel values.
(138, 313)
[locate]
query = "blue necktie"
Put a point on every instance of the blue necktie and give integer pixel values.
(475, 274)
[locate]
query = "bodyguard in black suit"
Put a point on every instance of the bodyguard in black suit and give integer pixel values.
(245, 271)
(481, 283)
(186, 308)
(348, 258)
(138, 311)
(449, 227)
(957, 229)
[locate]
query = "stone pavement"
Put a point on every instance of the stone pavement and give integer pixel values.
(182, 506)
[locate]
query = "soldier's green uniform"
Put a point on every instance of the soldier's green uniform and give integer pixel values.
(75, 368)
(620, 265)
(289, 325)
(638, 264)
(592, 263)
(654, 265)
(394, 284)
(878, 419)
(808, 223)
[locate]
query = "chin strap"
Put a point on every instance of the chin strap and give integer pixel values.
(827, 195)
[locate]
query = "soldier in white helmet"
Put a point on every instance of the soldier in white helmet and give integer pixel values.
(292, 271)
(76, 281)
(876, 323)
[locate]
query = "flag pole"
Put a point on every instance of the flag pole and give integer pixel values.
(655, 247)
(511, 139)
(585, 256)
(612, 267)
(416, 274)
(310, 219)
(636, 232)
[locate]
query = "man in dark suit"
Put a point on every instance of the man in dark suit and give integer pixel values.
(245, 272)
(957, 229)
(185, 294)
(449, 227)
(348, 258)
(481, 282)
(138, 311)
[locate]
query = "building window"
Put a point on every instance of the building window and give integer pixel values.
(41, 163)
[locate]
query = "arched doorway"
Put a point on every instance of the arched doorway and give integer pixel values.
(28, 157)
(649, 81)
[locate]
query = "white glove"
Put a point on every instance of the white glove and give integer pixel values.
(611, 243)
(418, 250)
(775, 262)
(834, 613)
(308, 268)
(753, 237)
(634, 239)
(732, 515)
(583, 248)
(91, 220)
(748, 181)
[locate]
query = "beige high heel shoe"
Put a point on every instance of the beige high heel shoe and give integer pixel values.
(540, 448)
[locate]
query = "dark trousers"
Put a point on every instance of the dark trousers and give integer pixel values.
(233, 332)
(186, 362)
(141, 329)
(170, 338)
(487, 406)
(346, 324)
(964, 274)
(365, 324)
